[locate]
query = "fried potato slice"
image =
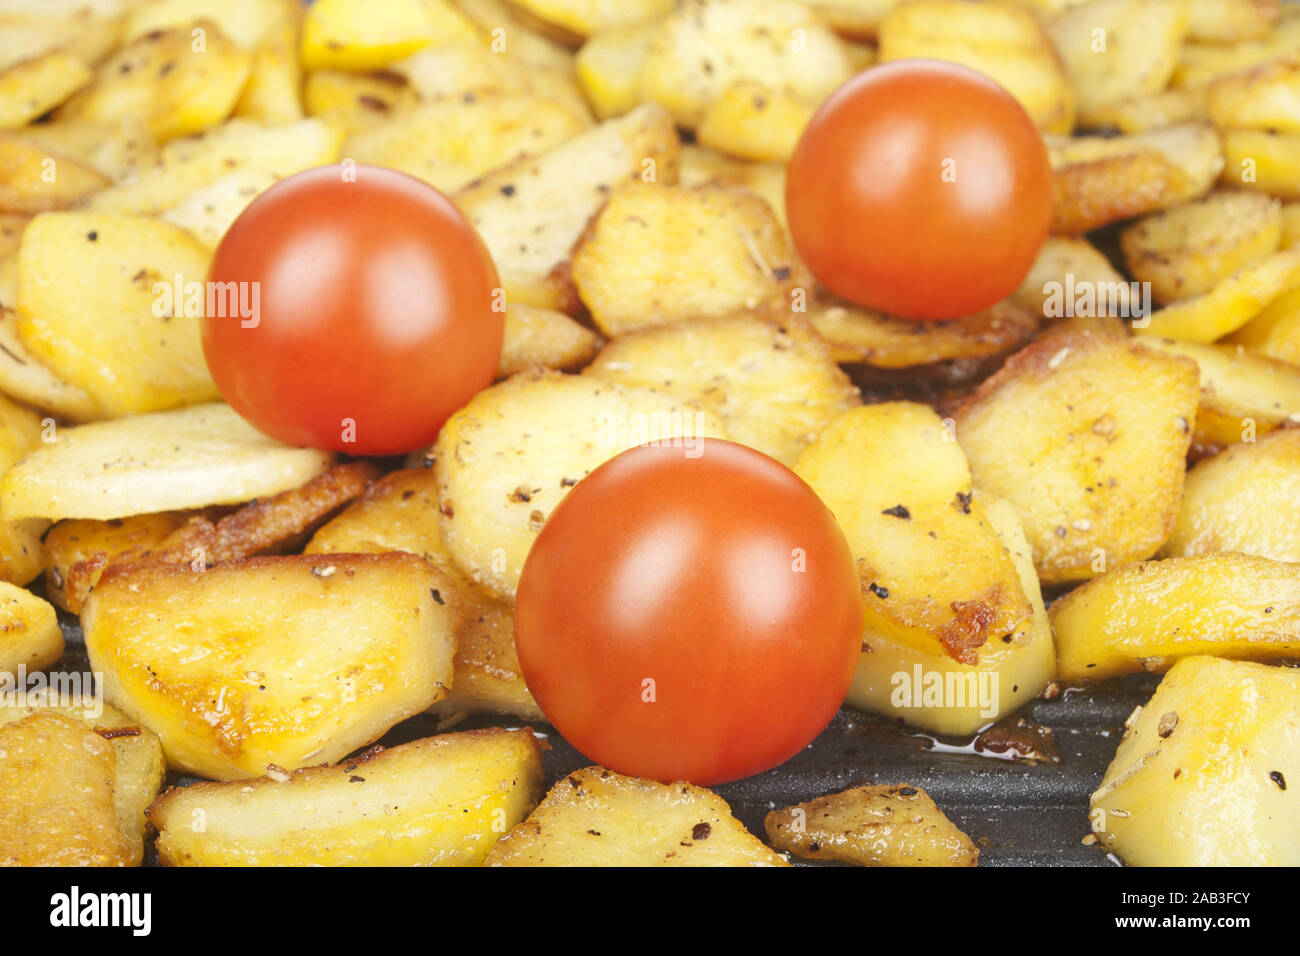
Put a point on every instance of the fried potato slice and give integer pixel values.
(20, 540)
(775, 386)
(1230, 304)
(1189, 249)
(1231, 21)
(1086, 436)
(1003, 41)
(1071, 279)
(30, 636)
(857, 334)
(1266, 97)
(1275, 332)
(355, 101)
(1118, 49)
(118, 151)
(704, 47)
(609, 67)
(56, 808)
(34, 179)
(188, 458)
(450, 143)
(1200, 778)
(273, 93)
(1243, 499)
(701, 167)
(657, 255)
(467, 72)
(928, 689)
(85, 33)
(291, 661)
(1262, 159)
(27, 380)
(399, 512)
(84, 541)
(36, 86)
(208, 212)
(934, 573)
(176, 82)
(543, 338)
(595, 817)
(1140, 114)
(246, 22)
(139, 767)
(440, 801)
(1099, 179)
(1143, 617)
(869, 825)
(1242, 395)
(89, 308)
(533, 211)
(488, 676)
(507, 459)
(756, 122)
(371, 34)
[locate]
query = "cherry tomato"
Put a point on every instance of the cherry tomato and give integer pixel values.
(920, 188)
(375, 316)
(689, 618)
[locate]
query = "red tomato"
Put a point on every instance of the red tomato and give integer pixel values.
(375, 312)
(920, 188)
(686, 618)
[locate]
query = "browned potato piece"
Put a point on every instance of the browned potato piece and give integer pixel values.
(291, 661)
(1143, 617)
(872, 826)
(775, 386)
(1244, 499)
(440, 801)
(595, 817)
(56, 807)
(543, 338)
(701, 166)
(38, 85)
(30, 636)
(1231, 304)
(1086, 436)
(33, 179)
(488, 678)
(1275, 332)
(662, 254)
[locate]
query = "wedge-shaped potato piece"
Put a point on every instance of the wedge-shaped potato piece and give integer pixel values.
(1182, 104)
(701, 167)
(1231, 303)
(34, 179)
(273, 93)
(532, 212)
(1100, 179)
(595, 817)
(1242, 396)
(660, 254)
(582, 18)
(20, 540)
(290, 661)
(1275, 332)
(178, 82)
(705, 46)
(872, 826)
(756, 122)
(1262, 159)
(1071, 279)
(449, 143)
(1001, 40)
(56, 808)
(1201, 777)
(1266, 97)
(188, 458)
(1188, 250)
(1243, 499)
(399, 512)
(86, 541)
(35, 87)
(246, 22)
(1231, 21)
(507, 458)
(97, 306)
(27, 380)
(775, 387)
(925, 687)
(543, 338)
(609, 67)
(139, 767)
(188, 165)
(934, 573)
(371, 34)
(1117, 49)
(1086, 436)
(30, 636)
(1146, 616)
(119, 150)
(440, 801)
(856, 334)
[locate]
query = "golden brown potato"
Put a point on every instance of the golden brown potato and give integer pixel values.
(35, 179)
(1200, 778)
(775, 386)
(291, 661)
(273, 93)
(81, 541)
(1189, 249)
(472, 72)
(1172, 107)
(872, 826)
(440, 801)
(488, 677)
(20, 539)
(543, 338)
(369, 35)
(117, 150)
(704, 167)
(30, 636)
(1231, 303)
(1275, 332)
(1086, 436)
(1262, 159)
(662, 254)
(595, 817)
(27, 380)
(1243, 499)
(609, 67)
(36, 86)
(1263, 98)
(1072, 280)
(756, 122)
(56, 808)
(1146, 616)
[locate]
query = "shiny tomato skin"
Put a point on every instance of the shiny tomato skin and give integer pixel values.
(376, 316)
(689, 618)
(922, 189)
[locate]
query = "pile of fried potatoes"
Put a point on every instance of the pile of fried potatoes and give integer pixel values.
(1097, 477)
